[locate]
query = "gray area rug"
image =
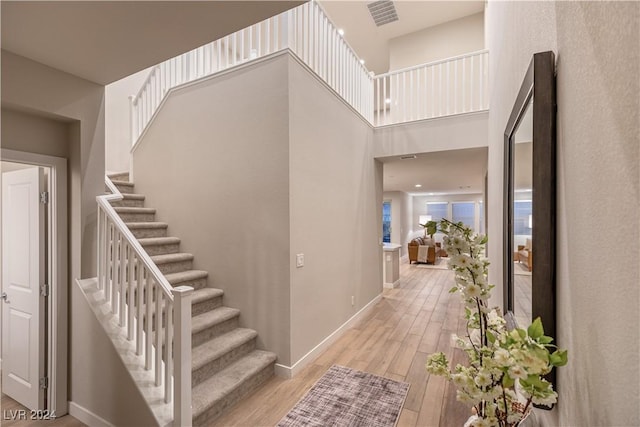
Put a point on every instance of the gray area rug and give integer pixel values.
(346, 397)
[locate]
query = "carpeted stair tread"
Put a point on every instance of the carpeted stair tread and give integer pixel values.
(138, 225)
(185, 276)
(219, 346)
(152, 241)
(225, 382)
(210, 318)
(119, 176)
(128, 209)
(133, 196)
(123, 183)
(167, 258)
(204, 294)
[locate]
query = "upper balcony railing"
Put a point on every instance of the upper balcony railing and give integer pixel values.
(451, 86)
(305, 30)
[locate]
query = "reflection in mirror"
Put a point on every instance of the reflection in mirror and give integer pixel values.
(522, 141)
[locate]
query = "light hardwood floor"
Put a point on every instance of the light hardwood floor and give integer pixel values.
(410, 322)
(12, 415)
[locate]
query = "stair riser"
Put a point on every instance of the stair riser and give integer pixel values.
(120, 176)
(128, 203)
(142, 233)
(125, 188)
(213, 412)
(207, 305)
(175, 267)
(171, 248)
(222, 362)
(195, 284)
(214, 331)
(137, 217)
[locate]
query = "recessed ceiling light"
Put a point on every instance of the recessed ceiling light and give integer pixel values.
(341, 31)
(418, 185)
(387, 101)
(409, 157)
(362, 61)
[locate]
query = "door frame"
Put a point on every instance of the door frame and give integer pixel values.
(57, 302)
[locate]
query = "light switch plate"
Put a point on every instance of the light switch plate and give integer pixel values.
(299, 260)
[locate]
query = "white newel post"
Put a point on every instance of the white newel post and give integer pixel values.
(182, 356)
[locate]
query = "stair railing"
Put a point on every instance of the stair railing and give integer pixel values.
(156, 316)
(450, 86)
(305, 30)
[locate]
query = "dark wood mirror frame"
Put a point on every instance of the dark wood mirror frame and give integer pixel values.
(539, 83)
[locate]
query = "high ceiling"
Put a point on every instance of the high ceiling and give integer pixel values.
(371, 43)
(442, 172)
(103, 41)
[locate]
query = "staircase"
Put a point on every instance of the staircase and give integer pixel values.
(225, 362)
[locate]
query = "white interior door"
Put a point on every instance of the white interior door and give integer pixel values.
(23, 271)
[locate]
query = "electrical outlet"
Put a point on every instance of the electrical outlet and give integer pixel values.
(299, 260)
(353, 300)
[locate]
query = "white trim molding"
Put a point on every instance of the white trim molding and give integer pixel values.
(57, 304)
(291, 371)
(86, 416)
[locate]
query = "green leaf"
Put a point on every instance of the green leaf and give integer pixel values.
(545, 339)
(522, 333)
(536, 330)
(453, 290)
(507, 381)
(490, 337)
(558, 358)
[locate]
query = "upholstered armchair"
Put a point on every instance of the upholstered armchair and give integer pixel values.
(525, 254)
(414, 246)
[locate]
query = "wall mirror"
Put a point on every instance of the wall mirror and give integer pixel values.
(529, 199)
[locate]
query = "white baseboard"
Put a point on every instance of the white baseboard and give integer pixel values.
(291, 371)
(391, 285)
(86, 416)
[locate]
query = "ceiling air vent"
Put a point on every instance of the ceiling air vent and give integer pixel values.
(383, 12)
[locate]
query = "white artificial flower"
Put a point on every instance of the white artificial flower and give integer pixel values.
(483, 378)
(481, 422)
(472, 290)
(516, 371)
(502, 357)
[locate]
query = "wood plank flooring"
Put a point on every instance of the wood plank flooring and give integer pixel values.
(411, 321)
(394, 340)
(12, 415)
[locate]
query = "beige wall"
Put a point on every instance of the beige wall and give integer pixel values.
(268, 179)
(49, 112)
(336, 205)
(446, 133)
(442, 41)
(598, 48)
(215, 165)
(117, 118)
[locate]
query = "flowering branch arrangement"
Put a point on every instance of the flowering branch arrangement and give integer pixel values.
(506, 368)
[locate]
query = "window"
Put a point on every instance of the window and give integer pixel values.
(386, 222)
(481, 216)
(521, 217)
(464, 212)
(437, 210)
